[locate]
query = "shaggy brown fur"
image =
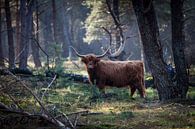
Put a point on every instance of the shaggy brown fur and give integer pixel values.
(115, 73)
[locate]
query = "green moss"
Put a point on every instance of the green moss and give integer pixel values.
(191, 93)
(151, 94)
(126, 115)
(103, 126)
(5, 100)
(116, 111)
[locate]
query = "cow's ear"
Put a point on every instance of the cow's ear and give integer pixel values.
(84, 60)
(97, 60)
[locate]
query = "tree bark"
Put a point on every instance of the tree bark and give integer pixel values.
(34, 46)
(1, 46)
(17, 46)
(115, 5)
(57, 32)
(23, 45)
(47, 31)
(149, 31)
(54, 18)
(26, 31)
(10, 35)
(178, 44)
(67, 41)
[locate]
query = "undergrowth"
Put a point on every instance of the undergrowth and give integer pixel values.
(116, 111)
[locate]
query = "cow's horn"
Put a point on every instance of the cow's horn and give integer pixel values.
(76, 52)
(100, 56)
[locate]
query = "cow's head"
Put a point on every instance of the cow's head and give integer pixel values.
(90, 60)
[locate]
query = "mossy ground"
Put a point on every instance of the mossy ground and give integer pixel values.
(117, 111)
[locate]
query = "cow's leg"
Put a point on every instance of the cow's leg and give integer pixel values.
(141, 91)
(101, 86)
(103, 90)
(139, 85)
(95, 88)
(133, 89)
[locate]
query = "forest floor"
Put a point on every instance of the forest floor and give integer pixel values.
(116, 110)
(121, 112)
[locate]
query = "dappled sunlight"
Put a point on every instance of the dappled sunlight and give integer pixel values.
(97, 64)
(151, 94)
(63, 91)
(75, 67)
(112, 107)
(191, 93)
(113, 111)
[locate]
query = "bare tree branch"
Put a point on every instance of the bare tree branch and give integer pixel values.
(69, 121)
(50, 84)
(76, 119)
(12, 98)
(116, 20)
(60, 124)
(189, 10)
(110, 35)
(37, 43)
(75, 64)
(118, 28)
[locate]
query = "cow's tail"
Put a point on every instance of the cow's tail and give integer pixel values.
(143, 82)
(142, 73)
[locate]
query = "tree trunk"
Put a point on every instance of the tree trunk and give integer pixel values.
(115, 5)
(54, 18)
(17, 46)
(149, 31)
(26, 31)
(57, 32)
(178, 44)
(10, 35)
(67, 41)
(1, 46)
(23, 45)
(34, 46)
(47, 31)
(116, 12)
(35, 54)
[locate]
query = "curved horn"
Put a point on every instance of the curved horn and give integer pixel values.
(100, 56)
(76, 52)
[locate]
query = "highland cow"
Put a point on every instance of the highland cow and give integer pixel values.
(114, 73)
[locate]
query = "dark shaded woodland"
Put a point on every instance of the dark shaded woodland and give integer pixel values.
(36, 38)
